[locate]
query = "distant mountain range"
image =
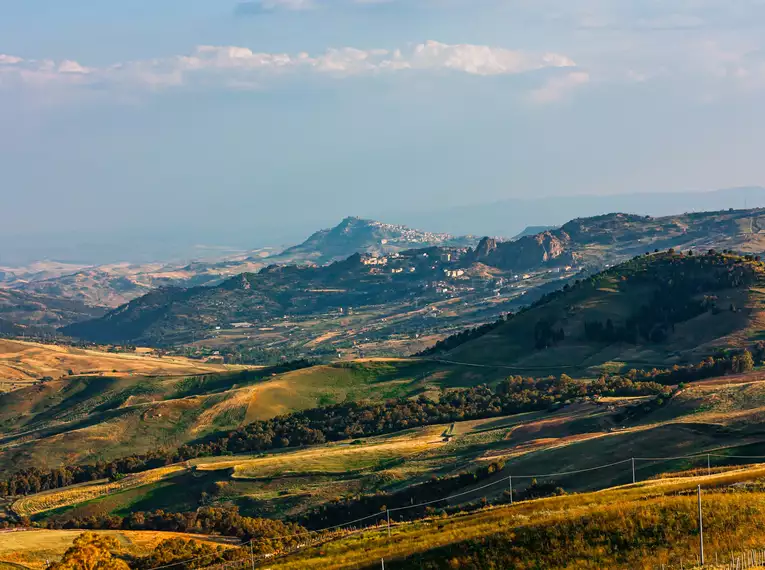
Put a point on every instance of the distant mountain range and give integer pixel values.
(223, 236)
(508, 217)
(532, 231)
(607, 239)
(114, 284)
(494, 277)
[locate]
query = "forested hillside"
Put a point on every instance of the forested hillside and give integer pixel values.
(658, 308)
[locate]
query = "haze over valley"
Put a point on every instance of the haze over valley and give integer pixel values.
(353, 284)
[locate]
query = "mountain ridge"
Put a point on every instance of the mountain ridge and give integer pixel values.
(417, 287)
(115, 284)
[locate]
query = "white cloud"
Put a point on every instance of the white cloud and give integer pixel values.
(265, 6)
(9, 59)
(480, 60)
(288, 4)
(557, 88)
(431, 55)
(238, 67)
(69, 66)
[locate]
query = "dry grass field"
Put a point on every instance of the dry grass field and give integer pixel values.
(639, 526)
(49, 500)
(23, 363)
(85, 418)
(33, 548)
(332, 459)
(577, 436)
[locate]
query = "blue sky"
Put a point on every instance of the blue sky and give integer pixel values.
(253, 119)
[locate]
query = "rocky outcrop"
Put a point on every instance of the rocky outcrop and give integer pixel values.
(529, 252)
(485, 248)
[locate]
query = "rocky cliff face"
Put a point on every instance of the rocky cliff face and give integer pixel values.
(550, 247)
(485, 248)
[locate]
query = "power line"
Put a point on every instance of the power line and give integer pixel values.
(461, 494)
(576, 472)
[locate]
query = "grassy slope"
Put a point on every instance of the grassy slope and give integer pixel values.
(24, 362)
(512, 344)
(721, 416)
(632, 526)
(85, 419)
(32, 548)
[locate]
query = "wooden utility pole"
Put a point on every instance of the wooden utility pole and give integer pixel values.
(701, 529)
(387, 512)
(510, 482)
(709, 465)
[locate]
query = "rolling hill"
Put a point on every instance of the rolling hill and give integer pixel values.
(41, 313)
(655, 310)
(333, 483)
(80, 419)
(355, 235)
(23, 362)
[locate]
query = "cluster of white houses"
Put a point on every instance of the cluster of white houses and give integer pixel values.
(411, 262)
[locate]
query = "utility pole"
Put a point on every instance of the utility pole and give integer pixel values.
(701, 529)
(382, 561)
(633, 470)
(510, 482)
(387, 512)
(709, 465)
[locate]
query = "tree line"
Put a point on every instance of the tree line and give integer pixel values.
(455, 340)
(270, 534)
(340, 422)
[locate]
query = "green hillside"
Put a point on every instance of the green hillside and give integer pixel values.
(655, 310)
(21, 311)
(332, 483)
(83, 419)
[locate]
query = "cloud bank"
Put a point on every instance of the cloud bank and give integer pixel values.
(232, 67)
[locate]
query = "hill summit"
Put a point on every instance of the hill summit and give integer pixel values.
(357, 235)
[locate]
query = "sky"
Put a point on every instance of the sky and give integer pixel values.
(142, 124)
